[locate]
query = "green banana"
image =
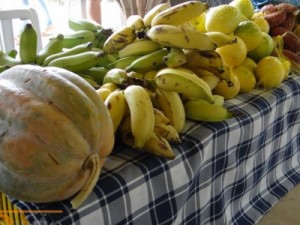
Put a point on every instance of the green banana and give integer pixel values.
(148, 62)
(77, 24)
(116, 76)
(90, 80)
(174, 36)
(175, 58)
(180, 13)
(185, 82)
(148, 17)
(101, 36)
(122, 63)
(119, 39)
(201, 110)
(55, 45)
(77, 63)
(71, 51)
(78, 37)
(105, 59)
(3, 68)
(28, 44)
(12, 53)
(6, 60)
(97, 73)
(139, 47)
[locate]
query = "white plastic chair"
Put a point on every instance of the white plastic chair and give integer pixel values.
(7, 42)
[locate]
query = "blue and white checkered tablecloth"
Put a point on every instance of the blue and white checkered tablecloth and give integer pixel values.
(224, 173)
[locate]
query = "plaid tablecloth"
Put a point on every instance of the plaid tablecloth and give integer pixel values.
(231, 172)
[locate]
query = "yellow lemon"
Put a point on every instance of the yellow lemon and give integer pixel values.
(233, 54)
(244, 6)
(269, 72)
(222, 18)
(250, 33)
(263, 49)
(228, 89)
(246, 78)
(262, 23)
(249, 63)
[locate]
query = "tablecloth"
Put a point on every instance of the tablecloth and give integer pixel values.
(224, 173)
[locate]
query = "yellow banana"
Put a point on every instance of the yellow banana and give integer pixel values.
(148, 62)
(111, 86)
(168, 132)
(136, 22)
(116, 106)
(6, 60)
(119, 39)
(184, 82)
(201, 110)
(210, 78)
(139, 47)
(116, 76)
(78, 37)
(141, 114)
(55, 45)
(28, 44)
(171, 105)
(71, 51)
(77, 24)
(103, 92)
(175, 58)
(160, 117)
(153, 12)
(180, 13)
(220, 38)
(174, 36)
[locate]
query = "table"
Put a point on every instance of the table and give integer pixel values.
(230, 172)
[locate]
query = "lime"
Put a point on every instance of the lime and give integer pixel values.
(228, 89)
(223, 18)
(233, 54)
(250, 33)
(244, 6)
(263, 49)
(269, 72)
(246, 78)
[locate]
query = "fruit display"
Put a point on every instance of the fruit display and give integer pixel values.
(153, 73)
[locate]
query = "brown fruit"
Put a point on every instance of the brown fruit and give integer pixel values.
(275, 19)
(291, 41)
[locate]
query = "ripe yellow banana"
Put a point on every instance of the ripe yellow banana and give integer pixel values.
(183, 81)
(153, 12)
(160, 117)
(71, 51)
(174, 36)
(148, 62)
(55, 45)
(168, 132)
(116, 76)
(119, 39)
(180, 13)
(171, 105)
(116, 106)
(28, 44)
(201, 110)
(220, 38)
(139, 47)
(103, 93)
(77, 24)
(136, 22)
(141, 114)
(175, 58)
(210, 78)
(111, 86)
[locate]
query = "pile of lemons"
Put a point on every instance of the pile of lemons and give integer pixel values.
(250, 58)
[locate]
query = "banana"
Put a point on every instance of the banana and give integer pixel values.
(101, 36)
(97, 73)
(105, 59)
(168, 132)
(171, 105)
(116, 76)
(207, 60)
(139, 47)
(79, 62)
(148, 17)
(174, 36)
(184, 82)
(90, 80)
(103, 92)
(116, 106)
(160, 117)
(6, 60)
(12, 53)
(180, 13)
(136, 22)
(148, 62)
(55, 45)
(210, 78)
(71, 51)
(77, 24)
(119, 39)
(28, 44)
(141, 114)
(3, 68)
(122, 63)
(175, 58)
(220, 38)
(78, 37)
(110, 86)
(201, 110)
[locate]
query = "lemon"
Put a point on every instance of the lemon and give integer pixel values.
(250, 33)
(228, 89)
(199, 22)
(244, 6)
(263, 49)
(262, 23)
(246, 78)
(249, 63)
(269, 72)
(233, 54)
(222, 18)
